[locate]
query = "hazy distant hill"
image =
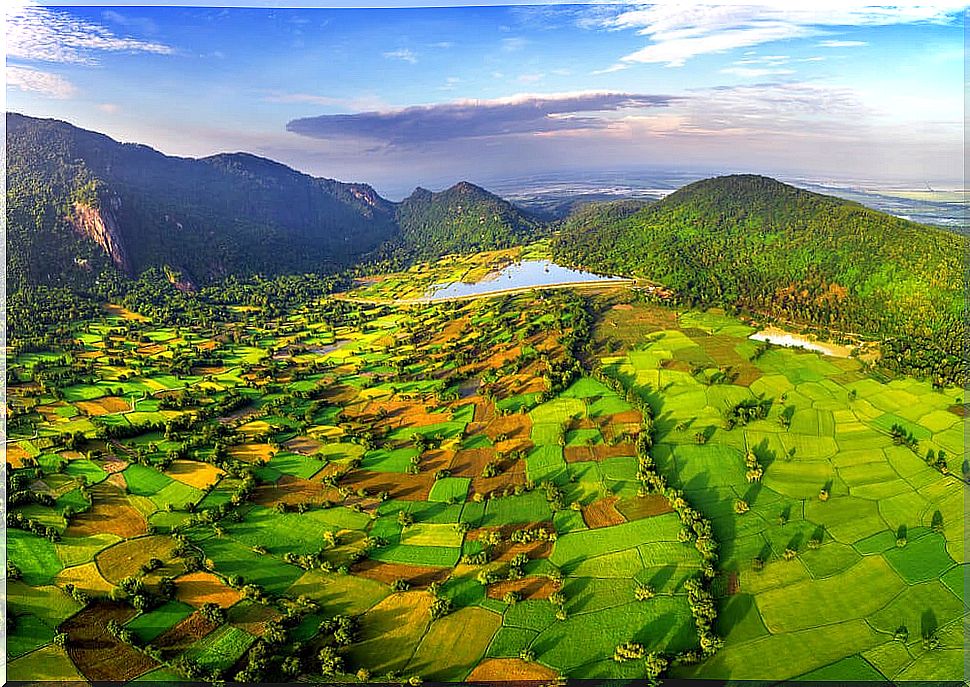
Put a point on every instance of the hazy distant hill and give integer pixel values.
(78, 200)
(755, 242)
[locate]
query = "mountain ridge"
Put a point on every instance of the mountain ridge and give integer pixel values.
(751, 242)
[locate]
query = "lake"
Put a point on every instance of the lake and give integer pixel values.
(528, 274)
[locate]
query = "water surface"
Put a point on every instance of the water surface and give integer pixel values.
(528, 274)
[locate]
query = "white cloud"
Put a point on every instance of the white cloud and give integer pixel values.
(530, 78)
(36, 81)
(403, 54)
(41, 34)
(109, 108)
(679, 32)
(755, 72)
(841, 44)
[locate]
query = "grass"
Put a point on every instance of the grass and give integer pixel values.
(921, 560)
(28, 633)
(578, 546)
(434, 556)
(35, 557)
(222, 648)
(426, 534)
(150, 625)
(454, 644)
(449, 489)
(233, 558)
(145, 481)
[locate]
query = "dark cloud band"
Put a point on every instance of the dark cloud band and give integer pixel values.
(477, 119)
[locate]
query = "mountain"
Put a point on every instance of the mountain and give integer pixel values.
(753, 242)
(464, 218)
(79, 202)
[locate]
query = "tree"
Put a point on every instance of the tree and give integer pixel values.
(644, 592)
(628, 651)
(213, 612)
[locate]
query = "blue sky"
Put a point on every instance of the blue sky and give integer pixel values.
(409, 96)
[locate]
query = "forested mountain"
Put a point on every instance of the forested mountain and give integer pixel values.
(461, 219)
(78, 201)
(754, 242)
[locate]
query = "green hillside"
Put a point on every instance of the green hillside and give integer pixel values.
(461, 219)
(79, 201)
(756, 243)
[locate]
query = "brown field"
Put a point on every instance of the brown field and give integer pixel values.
(86, 577)
(959, 409)
(292, 491)
(202, 587)
(513, 476)
(528, 588)
(644, 506)
(507, 551)
(398, 485)
(418, 576)
(16, 455)
(452, 331)
(399, 414)
(469, 462)
(303, 445)
(629, 324)
(126, 558)
(577, 454)
(339, 394)
(245, 413)
(185, 633)
(111, 514)
(252, 453)
(602, 513)
(114, 404)
(733, 583)
(604, 451)
(194, 474)
(95, 652)
(152, 349)
(113, 464)
(510, 672)
(721, 349)
(203, 370)
(433, 460)
(626, 417)
(514, 426)
(484, 413)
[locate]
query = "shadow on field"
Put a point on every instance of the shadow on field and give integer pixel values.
(662, 576)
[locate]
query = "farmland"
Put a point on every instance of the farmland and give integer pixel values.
(587, 485)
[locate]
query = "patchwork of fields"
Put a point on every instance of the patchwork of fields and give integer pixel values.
(446, 491)
(848, 561)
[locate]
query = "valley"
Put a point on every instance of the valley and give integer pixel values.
(594, 483)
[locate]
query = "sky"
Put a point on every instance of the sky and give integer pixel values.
(406, 96)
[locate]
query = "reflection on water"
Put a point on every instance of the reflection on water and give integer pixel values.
(520, 275)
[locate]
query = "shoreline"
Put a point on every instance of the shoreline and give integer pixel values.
(618, 281)
(781, 337)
